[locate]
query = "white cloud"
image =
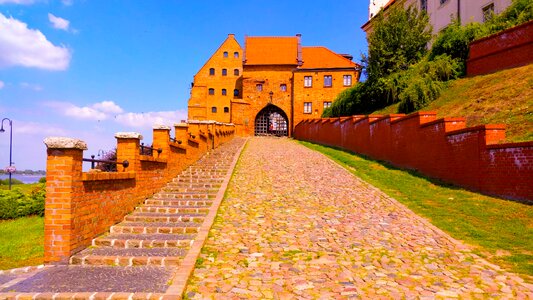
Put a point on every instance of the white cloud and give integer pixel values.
(140, 120)
(21, 46)
(93, 112)
(23, 2)
(58, 23)
(108, 107)
(2, 84)
(31, 86)
(38, 129)
(66, 2)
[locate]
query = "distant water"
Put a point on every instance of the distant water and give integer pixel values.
(23, 178)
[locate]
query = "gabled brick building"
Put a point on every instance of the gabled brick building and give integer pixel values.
(270, 86)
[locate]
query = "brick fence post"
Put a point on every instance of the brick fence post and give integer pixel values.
(161, 141)
(128, 145)
(63, 182)
(181, 132)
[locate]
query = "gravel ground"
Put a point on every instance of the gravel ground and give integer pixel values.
(296, 225)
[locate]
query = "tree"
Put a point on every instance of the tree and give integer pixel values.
(398, 40)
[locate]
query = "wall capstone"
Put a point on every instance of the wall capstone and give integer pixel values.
(128, 135)
(64, 143)
(161, 127)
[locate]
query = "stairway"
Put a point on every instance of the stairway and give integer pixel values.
(143, 252)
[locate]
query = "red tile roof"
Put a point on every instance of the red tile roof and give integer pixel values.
(271, 50)
(322, 57)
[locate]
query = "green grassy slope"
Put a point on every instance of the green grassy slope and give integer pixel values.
(505, 97)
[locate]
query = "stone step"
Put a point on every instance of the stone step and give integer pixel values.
(193, 185)
(197, 180)
(172, 189)
(169, 218)
(144, 240)
(102, 256)
(189, 195)
(155, 227)
(172, 209)
(179, 202)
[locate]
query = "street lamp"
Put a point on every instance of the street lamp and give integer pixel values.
(10, 145)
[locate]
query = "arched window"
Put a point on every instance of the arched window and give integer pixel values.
(214, 109)
(224, 72)
(212, 71)
(224, 92)
(211, 91)
(225, 54)
(236, 54)
(226, 109)
(236, 72)
(236, 92)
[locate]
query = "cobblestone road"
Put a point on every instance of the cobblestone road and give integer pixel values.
(296, 225)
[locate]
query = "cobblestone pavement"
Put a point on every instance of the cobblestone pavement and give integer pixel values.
(294, 225)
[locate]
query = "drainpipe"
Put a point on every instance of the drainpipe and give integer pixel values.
(459, 11)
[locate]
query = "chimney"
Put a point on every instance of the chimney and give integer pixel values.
(347, 56)
(299, 57)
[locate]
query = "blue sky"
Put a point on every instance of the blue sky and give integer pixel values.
(89, 68)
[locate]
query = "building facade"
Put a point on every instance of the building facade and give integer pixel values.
(442, 12)
(270, 86)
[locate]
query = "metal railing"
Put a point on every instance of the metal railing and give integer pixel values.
(175, 141)
(108, 165)
(147, 150)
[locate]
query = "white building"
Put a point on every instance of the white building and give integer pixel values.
(441, 12)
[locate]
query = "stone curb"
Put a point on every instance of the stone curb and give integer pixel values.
(180, 280)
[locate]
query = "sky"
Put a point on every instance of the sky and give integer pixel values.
(87, 69)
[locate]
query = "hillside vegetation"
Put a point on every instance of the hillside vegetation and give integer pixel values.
(505, 97)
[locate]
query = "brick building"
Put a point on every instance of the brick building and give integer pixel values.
(270, 86)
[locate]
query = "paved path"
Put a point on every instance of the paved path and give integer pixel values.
(296, 225)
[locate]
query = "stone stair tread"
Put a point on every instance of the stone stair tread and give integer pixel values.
(149, 214)
(75, 278)
(175, 206)
(132, 252)
(148, 237)
(159, 224)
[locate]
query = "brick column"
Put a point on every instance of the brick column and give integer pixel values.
(128, 149)
(161, 141)
(182, 132)
(63, 182)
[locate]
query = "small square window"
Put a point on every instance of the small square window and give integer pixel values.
(259, 87)
(224, 72)
(443, 1)
(347, 80)
(235, 54)
(211, 91)
(308, 107)
(236, 72)
(283, 87)
(328, 80)
(225, 54)
(224, 92)
(212, 71)
(214, 109)
(327, 104)
(488, 12)
(308, 81)
(424, 5)
(236, 93)
(226, 109)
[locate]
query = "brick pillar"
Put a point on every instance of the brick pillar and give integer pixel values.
(204, 138)
(128, 149)
(182, 132)
(63, 182)
(211, 134)
(161, 141)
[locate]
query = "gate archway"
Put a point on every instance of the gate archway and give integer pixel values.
(271, 120)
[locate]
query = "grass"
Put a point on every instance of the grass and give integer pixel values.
(505, 97)
(25, 188)
(499, 230)
(21, 242)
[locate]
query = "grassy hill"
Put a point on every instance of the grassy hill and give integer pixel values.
(505, 97)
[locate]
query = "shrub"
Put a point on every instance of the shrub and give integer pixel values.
(42, 180)
(13, 181)
(15, 204)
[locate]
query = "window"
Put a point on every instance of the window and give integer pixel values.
(212, 71)
(224, 92)
(327, 80)
(211, 91)
(308, 81)
(214, 109)
(424, 5)
(235, 54)
(283, 87)
(443, 1)
(488, 12)
(226, 109)
(347, 80)
(224, 72)
(327, 104)
(236, 72)
(308, 107)
(225, 54)
(259, 87)
(236, 93)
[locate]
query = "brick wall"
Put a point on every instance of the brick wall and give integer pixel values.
(507, 49)
(82, 205)
(445, 149)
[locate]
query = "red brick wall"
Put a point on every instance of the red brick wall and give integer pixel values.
(82, 205)
(443, 148)
(507, 49)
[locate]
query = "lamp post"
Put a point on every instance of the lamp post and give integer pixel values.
(10, 145)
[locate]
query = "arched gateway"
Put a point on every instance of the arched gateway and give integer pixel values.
(271, 120)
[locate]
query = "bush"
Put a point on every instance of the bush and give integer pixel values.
(15, 204)
(42, 180)
(13, 181)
